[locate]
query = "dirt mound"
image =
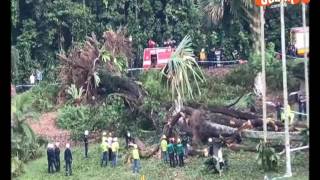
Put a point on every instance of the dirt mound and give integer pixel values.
(218, 72)
(46, 128)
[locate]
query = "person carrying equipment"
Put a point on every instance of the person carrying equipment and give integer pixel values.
(115, 149)
(68, 159)
(136, 159)
(104, 158)
(180, 152)
(163, 145)
(85, 139)
(171, 153)
(57, 156)
(51, 158)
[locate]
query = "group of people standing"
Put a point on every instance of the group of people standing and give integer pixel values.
(110, 147)
(53, 154)
(175, 150)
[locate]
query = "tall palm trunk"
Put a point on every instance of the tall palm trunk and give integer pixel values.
(255, 28)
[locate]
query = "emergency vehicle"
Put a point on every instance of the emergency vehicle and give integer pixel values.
(156, 57)
(297, 40)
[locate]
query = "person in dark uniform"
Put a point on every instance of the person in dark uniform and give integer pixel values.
(179, 152)
(109, 140)
(210, 151)
(51, 160)
(68, 159)
(57, 156)
(302, 106)
(128, 138)
(85, 139)
(278, 110)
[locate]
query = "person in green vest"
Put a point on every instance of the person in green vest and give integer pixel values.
(175, 143)
(180, 152)
(163, 145)
(136, 159)
(104, 137)
(104, 148)
(115, 149)
(287, 113)
(171, 152)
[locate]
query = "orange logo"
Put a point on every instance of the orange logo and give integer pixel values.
(270, 2)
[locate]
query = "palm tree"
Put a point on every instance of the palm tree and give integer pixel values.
(182, 64)
(216, 10)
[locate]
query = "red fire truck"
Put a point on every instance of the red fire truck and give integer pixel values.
(156, 57)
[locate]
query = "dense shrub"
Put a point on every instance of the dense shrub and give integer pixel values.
(111, 115)
(44, 96)
(25, 145)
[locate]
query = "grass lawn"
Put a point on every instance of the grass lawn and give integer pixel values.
(242, 167)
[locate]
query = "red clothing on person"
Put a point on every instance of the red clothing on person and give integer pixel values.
(151, 44)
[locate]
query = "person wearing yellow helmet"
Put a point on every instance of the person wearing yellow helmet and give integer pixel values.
(136, 159)
(114, 149)
(104, 158)
(163, 145)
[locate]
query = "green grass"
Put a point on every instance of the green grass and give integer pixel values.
(242, 166)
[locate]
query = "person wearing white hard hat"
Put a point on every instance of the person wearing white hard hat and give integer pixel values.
(51, 158)
(68, 160)
(210, 149)
(86, 143)
(129, 139)
(114, 149)
(57, 156)
(104, 137)
(109, 141)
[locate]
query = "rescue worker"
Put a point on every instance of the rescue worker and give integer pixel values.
(163, 145)
(128, 139)
(302, 106)
(203, 55)
(68, 160)
(175, 143)
(104, 137)
(109, 141)
(136, 159)
(185, 144)
(210, 147)
(104, 157)
(171, 152)
(32, 79)
(115, 149)
(57, 156)
(51, 158)
(278, 110)
(85, 139)
(180, 152)
(287, 113)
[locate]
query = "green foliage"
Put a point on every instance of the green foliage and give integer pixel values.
(17, 167)
(24, 144)
(44, 96)
(152, 82)
(110, 115)
(77, 119)
(181, 65)
(273, 69)
(74, 92)
(267, 158)
(242, 76)
(242, 166)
